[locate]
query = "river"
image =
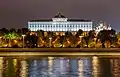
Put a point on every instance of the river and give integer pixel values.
(59, 67)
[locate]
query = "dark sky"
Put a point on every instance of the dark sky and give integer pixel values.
(16, 13)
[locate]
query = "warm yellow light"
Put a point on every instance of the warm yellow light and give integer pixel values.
(81, 67)
(1, 66)
(24, 69)
(23, 35)
(15, 41)
(115, 67)
(95, 65)
(50, 64)
(15, 64)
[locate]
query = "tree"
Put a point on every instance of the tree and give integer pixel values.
(88, 39)
(118, 37)
(78, 39)
(79, 33)
(12, 30)
(113, 37)
(68, 37)
(19, 31)
(3, 31)
(40, 35)
(107, 35)
(34, 40)
(103, 36)
(25, 30)
(10, 36)
(31, 40)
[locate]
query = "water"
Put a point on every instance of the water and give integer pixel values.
(59, 67)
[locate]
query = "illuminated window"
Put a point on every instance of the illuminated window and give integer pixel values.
(32, 25)
(81, 26)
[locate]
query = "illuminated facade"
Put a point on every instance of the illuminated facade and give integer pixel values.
(60, 23)
(102, 26)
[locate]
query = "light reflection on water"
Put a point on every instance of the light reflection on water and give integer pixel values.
(59, 67)
(1, 67)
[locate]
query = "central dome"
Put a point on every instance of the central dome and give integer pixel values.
(59, 15)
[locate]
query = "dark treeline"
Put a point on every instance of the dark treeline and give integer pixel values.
(80, 39)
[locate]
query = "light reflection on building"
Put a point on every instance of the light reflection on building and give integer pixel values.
(102, 26)
(60, 23)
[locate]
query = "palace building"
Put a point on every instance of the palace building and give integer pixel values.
(60, 24)
(102, 26)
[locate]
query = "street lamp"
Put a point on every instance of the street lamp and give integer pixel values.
(81, 40)
(23, 39)
(50, 41)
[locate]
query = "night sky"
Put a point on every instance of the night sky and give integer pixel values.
(16, 13)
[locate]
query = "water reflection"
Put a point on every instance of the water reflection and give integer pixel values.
(38, 68)
(85, 67)
(1, 66)
(59, 67)
(23, 69)
(115, 65)
(50, 65)
(96, 69)
(80, 68)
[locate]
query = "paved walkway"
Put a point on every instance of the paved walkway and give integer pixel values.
(59, 52)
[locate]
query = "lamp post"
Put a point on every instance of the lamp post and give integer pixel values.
(23, 40)
(81, 40)
(50, 41)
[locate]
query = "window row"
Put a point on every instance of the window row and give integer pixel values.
(60, 25)
(60, 29)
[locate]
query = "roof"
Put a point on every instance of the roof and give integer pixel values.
(59, 15)
(41, 20)
(78, 20)
(49, 20)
